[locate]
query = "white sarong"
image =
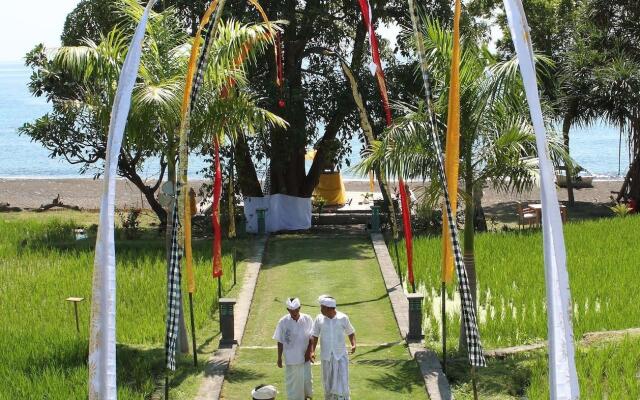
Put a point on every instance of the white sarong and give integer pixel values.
(335, 378)
(299, 381)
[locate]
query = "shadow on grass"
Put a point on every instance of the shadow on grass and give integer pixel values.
(353, 303)
(399, 375)
(139, 368)
(509, 376)
(239, 374)
(68, 357)
(373, 351)
(285, 249)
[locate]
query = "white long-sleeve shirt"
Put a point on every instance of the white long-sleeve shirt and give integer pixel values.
(294, 336)
(332, 333)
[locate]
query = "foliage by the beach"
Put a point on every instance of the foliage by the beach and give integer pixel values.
(602, 262)
(621, 210)
(42, 356)
(95, 18)
(80, 81)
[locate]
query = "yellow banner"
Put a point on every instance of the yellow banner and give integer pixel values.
(452, 154)
(183, 201)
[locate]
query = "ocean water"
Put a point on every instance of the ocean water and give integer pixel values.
(595, 147)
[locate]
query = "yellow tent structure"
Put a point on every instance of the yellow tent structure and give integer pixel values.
(331, 188)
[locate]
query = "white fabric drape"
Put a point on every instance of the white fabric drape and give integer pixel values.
(562, 369)
(102, 342)
(284, 213)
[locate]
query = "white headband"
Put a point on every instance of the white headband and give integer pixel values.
(264, 393)
(293, 303)
(327, 301)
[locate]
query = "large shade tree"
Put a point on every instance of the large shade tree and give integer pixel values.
(317, 102)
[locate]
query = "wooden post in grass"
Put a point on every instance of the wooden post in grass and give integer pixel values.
(474, 383)
(219, 287)
(166, 385)
(75, 301)
(193, 331)
(444, 327)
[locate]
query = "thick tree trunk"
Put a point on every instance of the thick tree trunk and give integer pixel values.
(149, 193)
(566, 127)
(247, 175)
(634, 170)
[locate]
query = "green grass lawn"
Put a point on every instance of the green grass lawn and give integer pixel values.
(41, 264)
(345, 267)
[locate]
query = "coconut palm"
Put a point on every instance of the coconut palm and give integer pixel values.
(92, 71)
(496, 138)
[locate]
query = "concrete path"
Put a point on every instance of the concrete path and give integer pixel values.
(342, 265)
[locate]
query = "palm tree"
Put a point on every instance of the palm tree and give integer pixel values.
(94, 68)
(497, 140)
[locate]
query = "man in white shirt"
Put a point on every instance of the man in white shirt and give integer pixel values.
(331, 327)
(293, 334)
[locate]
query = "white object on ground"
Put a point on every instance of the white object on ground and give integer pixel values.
(284, 213)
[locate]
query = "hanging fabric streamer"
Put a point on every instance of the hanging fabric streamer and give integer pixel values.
(563, 379)
(379, 72)
(102, 340)
(375, 55)
(452, 151)
(195, 74)
(217, 184)
(181, 229)
(474, 347)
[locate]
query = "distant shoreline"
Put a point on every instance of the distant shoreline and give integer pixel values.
(86, 192)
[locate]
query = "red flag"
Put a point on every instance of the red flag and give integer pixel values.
(215, 215)
(375, 55)
(406, 222)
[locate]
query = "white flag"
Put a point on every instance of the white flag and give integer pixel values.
(562, 368)
(102, 342)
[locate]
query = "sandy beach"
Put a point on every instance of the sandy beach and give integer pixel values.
(85, 193)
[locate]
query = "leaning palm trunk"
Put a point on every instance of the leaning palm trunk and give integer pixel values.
(365, 124)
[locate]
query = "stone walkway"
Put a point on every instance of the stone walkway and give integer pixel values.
(343, 265)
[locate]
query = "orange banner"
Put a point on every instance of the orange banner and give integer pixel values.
(452, 153)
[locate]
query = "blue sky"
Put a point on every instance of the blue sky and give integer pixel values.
(24, 23)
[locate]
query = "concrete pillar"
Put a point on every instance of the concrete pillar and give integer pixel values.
(415, 316)
(225, 307)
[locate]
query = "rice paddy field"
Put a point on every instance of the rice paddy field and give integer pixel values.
(603, 260)
(604, 272)
(41, 354)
